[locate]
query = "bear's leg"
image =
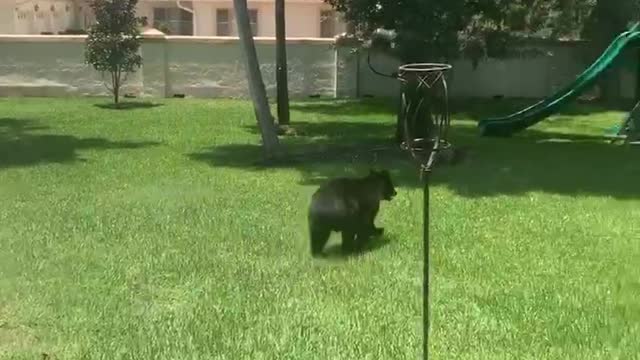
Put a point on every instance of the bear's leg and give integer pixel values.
(348, 239)
(363, 234)
(370, 225)
(319, 237)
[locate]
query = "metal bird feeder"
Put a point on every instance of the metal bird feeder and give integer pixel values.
(424, 116)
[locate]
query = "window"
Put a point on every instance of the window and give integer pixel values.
(327, 23)
(223, 22)
(160, 14)
(253, 20)
(173, 20)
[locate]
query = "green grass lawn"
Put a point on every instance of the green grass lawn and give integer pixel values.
(149, 233)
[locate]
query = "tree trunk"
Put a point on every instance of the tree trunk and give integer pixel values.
(116, 87)
(637, 89)
(270, 141)
(281, 65)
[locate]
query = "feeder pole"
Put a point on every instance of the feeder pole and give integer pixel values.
(425, 280)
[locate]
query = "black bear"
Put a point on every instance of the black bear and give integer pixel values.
(349, 206)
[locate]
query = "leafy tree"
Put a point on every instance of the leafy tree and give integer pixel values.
(421, 29)
(113, 42)
(609, 17)
(436, 30)
(606, 20)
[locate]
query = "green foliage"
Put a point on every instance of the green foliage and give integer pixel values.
(438, 29)
(113, 43)
(423, 29)
(444, 29)
(606, 20)
(610, 17)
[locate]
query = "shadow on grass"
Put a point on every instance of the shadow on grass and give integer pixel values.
(20, 146)
(334, 251)
(345, 107)
(546, 162)
(478, 109)
(130, 105)
(533, 160)
(328, 143)
(474, 109)
(340, 131)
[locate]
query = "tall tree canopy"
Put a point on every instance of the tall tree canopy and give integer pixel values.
(443, 29)
(608, 18)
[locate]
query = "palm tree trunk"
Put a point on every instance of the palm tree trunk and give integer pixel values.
(281, 65)
(270, 141)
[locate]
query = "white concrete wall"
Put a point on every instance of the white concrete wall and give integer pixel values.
(214, 67)
(49, 66)
(525, 77)
(194, 66)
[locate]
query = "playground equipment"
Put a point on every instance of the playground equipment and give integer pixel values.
(629, 130)
(508, 125)
(424, 87)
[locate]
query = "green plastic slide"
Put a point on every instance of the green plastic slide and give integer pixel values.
(508, 125)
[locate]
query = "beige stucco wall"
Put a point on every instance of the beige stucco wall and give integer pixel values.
(6, 18)
(64, 19)
(204, 18)
(302, 19)
(34, 22)
(146, 9)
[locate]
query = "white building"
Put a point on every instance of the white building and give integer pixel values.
(304, 18)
